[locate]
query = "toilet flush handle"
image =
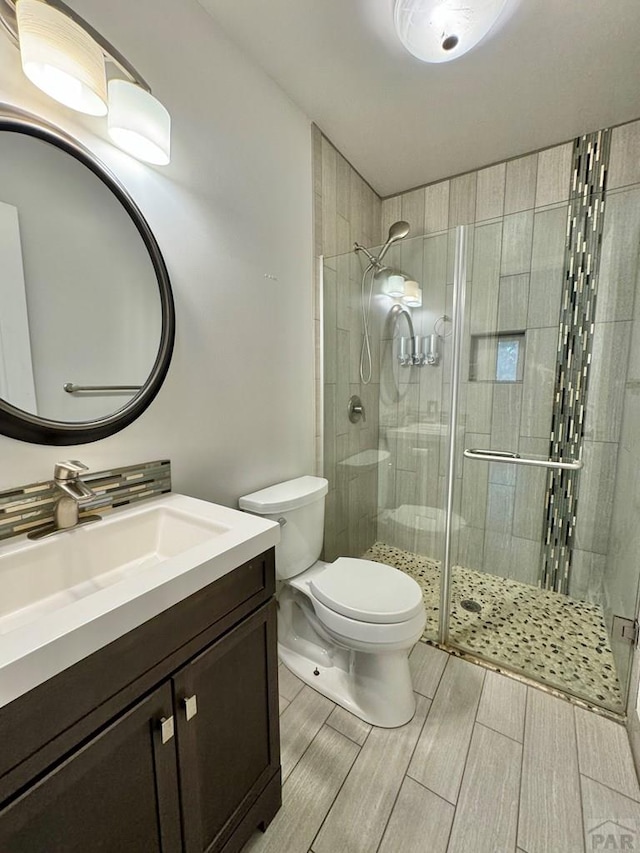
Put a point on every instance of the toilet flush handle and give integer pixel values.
(282, 521)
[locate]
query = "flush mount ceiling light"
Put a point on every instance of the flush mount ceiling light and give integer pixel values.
(442, 30)
(65, 57)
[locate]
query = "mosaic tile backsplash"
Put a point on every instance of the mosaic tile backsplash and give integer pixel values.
(28, 507)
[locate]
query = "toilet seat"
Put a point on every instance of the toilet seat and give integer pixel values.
(359, 635)
(366, 591)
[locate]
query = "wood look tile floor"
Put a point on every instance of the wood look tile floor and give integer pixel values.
(486, 764)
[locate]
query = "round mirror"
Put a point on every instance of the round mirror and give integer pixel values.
(86, 312)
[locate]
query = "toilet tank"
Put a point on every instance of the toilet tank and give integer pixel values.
(298, 506)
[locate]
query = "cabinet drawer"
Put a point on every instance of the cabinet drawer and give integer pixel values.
(42, 726)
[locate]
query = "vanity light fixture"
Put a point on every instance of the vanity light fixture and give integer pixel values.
(394, 286)
(65, 57)
(412, 294)
(399, 286)
(442, 30)
(138, 123)
(61, 58)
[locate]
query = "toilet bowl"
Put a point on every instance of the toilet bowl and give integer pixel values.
(345, 628)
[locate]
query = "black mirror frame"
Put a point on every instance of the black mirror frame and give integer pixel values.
(24, 426)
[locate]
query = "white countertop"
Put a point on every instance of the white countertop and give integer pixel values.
(32, 653)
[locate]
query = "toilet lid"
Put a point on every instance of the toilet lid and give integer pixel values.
(367, 591)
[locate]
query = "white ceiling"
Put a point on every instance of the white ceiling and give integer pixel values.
(557, 68)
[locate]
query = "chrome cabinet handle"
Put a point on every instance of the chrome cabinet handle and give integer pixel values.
(190, 706)
(515, 459)
(167, 729)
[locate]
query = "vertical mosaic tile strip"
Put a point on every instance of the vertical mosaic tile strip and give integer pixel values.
(28, 507)
(575, 341)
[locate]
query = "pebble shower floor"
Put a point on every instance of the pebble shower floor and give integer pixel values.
(547, 636)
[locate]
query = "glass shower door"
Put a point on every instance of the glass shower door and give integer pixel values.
(415, 418)
(525, 489)
(541, 559)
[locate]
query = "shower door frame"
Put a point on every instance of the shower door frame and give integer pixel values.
(459, 304)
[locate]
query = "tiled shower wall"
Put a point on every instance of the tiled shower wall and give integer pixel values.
(519, 210)
(619, 415)
(346, 210)
(516, 270)
(515, 275)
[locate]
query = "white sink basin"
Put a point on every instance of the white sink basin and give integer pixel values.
(64, 597)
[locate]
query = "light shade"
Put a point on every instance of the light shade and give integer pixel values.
(60, 58)
(442, 30)
(394, 286)
(412, 294)
(138, 123)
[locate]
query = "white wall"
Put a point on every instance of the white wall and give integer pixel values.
(235, 204)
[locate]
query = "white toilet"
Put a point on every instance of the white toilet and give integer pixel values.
(346, 628)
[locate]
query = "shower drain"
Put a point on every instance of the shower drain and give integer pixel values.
(470, 605)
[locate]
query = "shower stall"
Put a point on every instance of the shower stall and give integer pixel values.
(492, 452)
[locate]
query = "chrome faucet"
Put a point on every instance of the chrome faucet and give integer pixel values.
(66, 478)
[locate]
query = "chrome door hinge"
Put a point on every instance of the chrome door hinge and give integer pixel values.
(625, 629)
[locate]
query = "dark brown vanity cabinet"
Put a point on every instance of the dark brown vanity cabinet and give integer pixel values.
(192, 766)
(225, 750)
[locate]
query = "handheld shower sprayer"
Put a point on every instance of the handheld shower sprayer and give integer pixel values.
(398, 231)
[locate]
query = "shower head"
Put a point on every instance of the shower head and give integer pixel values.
(398, 231)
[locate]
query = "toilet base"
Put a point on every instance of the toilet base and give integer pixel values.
(374, 687)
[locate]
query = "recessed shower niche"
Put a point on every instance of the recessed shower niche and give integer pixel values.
(498, 357)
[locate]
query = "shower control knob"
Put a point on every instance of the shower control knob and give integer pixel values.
(355, 410)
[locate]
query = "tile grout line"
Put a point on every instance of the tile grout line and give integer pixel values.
(498, 732)
(520, 777)
(324, 819)
(608, 787)
(475, 723)
(442, 799)
(359, 745)
(455, 805)
(582, 823)
(310, 742)
(524, 739)
(441, 675)
(406, 773)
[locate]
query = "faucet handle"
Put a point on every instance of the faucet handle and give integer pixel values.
(69, 470)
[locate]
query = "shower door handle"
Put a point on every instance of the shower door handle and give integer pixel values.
(512, 458)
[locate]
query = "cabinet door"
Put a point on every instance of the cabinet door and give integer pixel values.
(227, 727)
(117, 793)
